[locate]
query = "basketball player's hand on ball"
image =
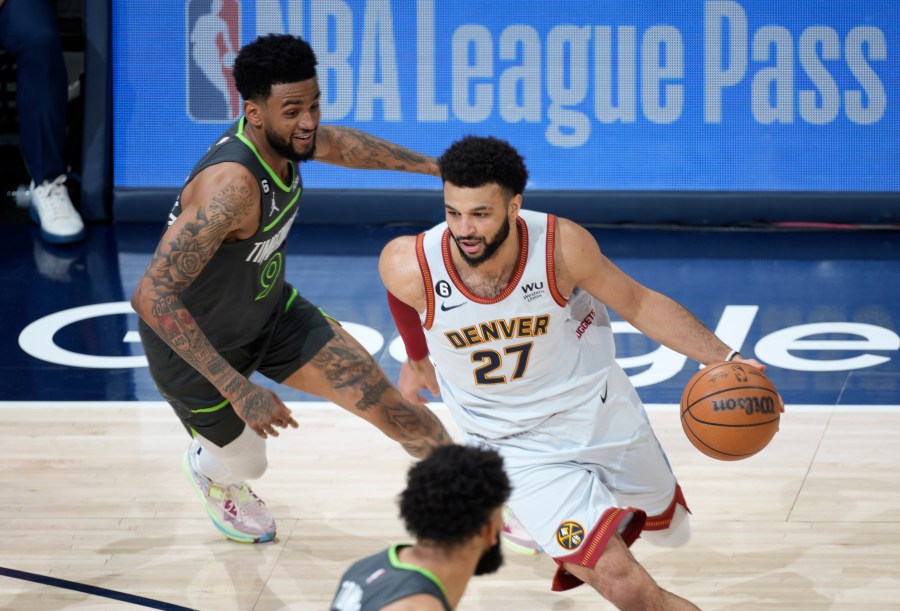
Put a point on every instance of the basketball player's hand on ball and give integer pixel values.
(416, 376)
(753, 362)
(740, 359)
(262, 410)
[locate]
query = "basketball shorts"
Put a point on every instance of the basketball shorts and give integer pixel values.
(294, 335)
(583, 474)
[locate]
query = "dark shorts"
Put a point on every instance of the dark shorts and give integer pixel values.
(287, 343)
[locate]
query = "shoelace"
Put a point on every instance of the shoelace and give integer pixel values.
(242, 495)
(55, 196)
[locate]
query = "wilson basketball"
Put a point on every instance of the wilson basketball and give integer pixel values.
(730, 411)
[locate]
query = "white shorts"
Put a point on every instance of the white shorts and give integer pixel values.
(579, 474)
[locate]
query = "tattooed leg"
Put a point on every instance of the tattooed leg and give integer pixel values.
(344, 373)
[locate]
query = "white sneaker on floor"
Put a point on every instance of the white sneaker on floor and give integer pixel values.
(235, 510)
(52, 209)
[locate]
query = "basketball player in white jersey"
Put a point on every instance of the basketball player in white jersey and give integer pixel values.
(511, 307)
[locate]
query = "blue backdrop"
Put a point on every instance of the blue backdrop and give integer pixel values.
(693, 96)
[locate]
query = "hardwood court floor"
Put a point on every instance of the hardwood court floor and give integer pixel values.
(93, 494)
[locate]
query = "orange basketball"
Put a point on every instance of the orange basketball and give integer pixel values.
(730, 411)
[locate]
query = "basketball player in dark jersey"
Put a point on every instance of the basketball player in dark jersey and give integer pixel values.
(215, 307)
(453, 506)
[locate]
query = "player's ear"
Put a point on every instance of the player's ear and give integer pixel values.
(252, 112)
(515, 204)
(490, 533)
(492, 528)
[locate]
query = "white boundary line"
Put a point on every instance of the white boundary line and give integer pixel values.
(324, 405)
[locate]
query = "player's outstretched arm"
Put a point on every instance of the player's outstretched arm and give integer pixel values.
(580, 263)
(352, 148)
(399, 270)
(221, 202)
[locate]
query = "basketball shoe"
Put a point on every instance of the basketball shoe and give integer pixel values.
(52, 209)
(514, 536)
(235, 510)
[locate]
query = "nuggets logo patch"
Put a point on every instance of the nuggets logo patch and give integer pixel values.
(569, 535)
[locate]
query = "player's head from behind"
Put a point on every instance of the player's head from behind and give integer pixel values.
(276, 76)
(484, 178)
(454, 498)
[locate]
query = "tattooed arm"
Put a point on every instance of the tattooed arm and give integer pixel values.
(352, 148)
(221, 203)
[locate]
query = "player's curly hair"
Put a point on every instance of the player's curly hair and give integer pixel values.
(451, 494)
(270, 60)
(475, 161)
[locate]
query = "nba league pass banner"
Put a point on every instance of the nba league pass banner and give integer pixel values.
(717, 95)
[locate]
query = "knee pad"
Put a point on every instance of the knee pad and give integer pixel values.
(677, 534)
(242, 459)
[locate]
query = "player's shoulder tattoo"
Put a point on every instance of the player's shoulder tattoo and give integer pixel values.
(231, 201)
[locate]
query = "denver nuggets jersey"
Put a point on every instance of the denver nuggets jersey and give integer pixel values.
(506, 364)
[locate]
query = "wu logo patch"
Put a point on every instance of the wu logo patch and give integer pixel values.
(570, 535)
(532, 290)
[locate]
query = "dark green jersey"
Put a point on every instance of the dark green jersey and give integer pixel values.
(240, 288)
(380, 579)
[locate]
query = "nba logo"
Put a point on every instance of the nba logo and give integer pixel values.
(212, 40)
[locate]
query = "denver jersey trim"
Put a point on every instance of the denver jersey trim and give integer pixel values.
(596, 542)
(664, 520)
(426, 279)
(513, 281)
(551, 261)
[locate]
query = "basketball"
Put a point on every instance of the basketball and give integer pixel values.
(730, 411)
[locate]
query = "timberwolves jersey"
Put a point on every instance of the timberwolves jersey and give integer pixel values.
(380, 579)
(241, 287)
(506, 364)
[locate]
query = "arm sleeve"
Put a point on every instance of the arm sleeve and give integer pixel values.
(410, 327)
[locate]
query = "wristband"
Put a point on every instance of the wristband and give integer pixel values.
(731, 355)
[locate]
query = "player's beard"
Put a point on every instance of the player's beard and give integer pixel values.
(490, 561)
(286, 149)
(490, 246)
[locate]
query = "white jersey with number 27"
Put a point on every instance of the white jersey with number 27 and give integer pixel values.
(505, 364)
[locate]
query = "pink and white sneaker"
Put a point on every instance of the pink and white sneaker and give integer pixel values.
(514, 536)
(235, 510)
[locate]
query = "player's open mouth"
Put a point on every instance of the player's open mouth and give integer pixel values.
(469, 246)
